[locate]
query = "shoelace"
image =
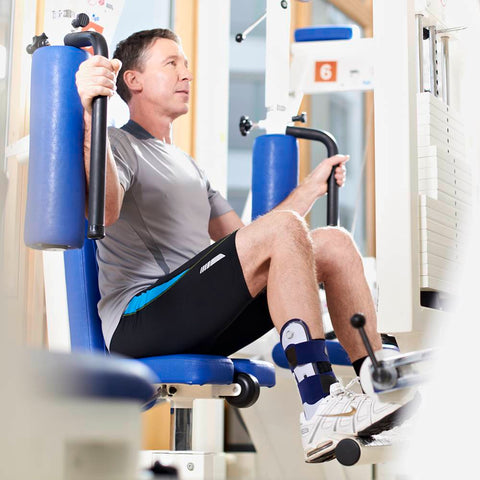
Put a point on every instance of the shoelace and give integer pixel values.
(338, 389)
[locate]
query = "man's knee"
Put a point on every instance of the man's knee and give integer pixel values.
(334, 244)
(278, 233)
(289, 227)
(333, 237)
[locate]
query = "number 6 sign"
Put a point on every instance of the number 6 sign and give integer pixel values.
(325, 71)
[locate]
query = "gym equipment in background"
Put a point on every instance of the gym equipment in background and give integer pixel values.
(56, 177)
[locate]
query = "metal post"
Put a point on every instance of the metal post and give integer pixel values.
(446, 70)
(433, 60)
(277, 66)
(182, 429)
(419, 19)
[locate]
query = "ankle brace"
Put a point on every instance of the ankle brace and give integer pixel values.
(308, 361)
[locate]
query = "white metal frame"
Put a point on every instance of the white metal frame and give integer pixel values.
(397, 175)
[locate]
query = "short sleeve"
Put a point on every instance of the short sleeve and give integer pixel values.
(218, 204)
(124, 156)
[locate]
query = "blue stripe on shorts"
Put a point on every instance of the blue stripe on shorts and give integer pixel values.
(139, 301)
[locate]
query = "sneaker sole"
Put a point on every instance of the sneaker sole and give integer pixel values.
(318, 455)
(386, 423)
(393, 420)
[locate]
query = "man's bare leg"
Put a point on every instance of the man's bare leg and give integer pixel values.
(276, 251)
(339, 266)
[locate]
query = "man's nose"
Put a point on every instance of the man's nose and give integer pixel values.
(186, 74)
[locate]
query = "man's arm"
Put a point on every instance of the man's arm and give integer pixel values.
(223, 225)
(315, 185)
(300, 199)
(96, 76)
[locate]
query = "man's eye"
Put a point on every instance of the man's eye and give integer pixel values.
(173, 62)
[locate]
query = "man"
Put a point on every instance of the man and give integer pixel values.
(165, 289)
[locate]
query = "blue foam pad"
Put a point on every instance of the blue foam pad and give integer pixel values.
(191, 369)
(56, 175)
(90, 376)
(336, 353)
(264, 372)
(81, 275)
(324, 33)
(274, 171)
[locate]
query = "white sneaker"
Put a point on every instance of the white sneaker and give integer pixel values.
(345, 413)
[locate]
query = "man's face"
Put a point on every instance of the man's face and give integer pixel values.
(166, 78)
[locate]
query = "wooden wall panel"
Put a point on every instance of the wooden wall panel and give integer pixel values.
(186, 27)
(23, 272)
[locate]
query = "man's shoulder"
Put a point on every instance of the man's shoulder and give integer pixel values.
(119, 138)
(116, 133)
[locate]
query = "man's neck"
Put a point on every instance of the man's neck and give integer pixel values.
(158, 126)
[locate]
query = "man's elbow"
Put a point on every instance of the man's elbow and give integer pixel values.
(111, 216)
(113, 207)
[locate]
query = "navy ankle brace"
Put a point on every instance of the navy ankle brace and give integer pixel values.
(308, 361)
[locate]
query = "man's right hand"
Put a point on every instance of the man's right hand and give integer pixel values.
(96, 77)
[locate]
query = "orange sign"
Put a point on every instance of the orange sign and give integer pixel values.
(325, 71)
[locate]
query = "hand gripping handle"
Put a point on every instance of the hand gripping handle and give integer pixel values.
(98, 146)
(332, 149)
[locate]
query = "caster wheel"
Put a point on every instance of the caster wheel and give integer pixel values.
(249, 393)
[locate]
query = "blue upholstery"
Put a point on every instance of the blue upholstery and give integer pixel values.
(87, 375)
(81, 275)
(324, 33)
(263, 371)
(81, 272)
(336, 353)
(191, 369)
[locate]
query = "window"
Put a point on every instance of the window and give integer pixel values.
(247, 96)
(342, 114)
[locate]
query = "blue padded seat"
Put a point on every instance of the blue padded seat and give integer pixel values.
(325, 33)
(191, 369)
(81, 273)
(89, 375)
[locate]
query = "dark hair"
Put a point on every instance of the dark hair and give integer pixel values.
(131, 52)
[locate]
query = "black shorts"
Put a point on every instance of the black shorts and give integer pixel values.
(203, 307)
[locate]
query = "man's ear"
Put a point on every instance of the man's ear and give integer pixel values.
(132, 80)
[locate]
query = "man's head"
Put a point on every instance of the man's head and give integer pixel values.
(154, 65)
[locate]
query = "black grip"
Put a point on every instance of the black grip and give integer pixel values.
(332, 149)
(98, 146)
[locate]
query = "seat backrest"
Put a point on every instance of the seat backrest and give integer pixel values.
(81, 276)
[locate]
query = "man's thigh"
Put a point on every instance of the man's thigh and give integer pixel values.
(189, 310)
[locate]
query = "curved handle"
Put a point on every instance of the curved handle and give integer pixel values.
(98, 146)
(332, 149)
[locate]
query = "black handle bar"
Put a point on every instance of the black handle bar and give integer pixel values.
(332, 149)
(98, 146)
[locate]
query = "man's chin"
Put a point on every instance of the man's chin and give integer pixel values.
(181, 111)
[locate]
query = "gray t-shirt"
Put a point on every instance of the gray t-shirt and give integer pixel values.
(163, 222)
